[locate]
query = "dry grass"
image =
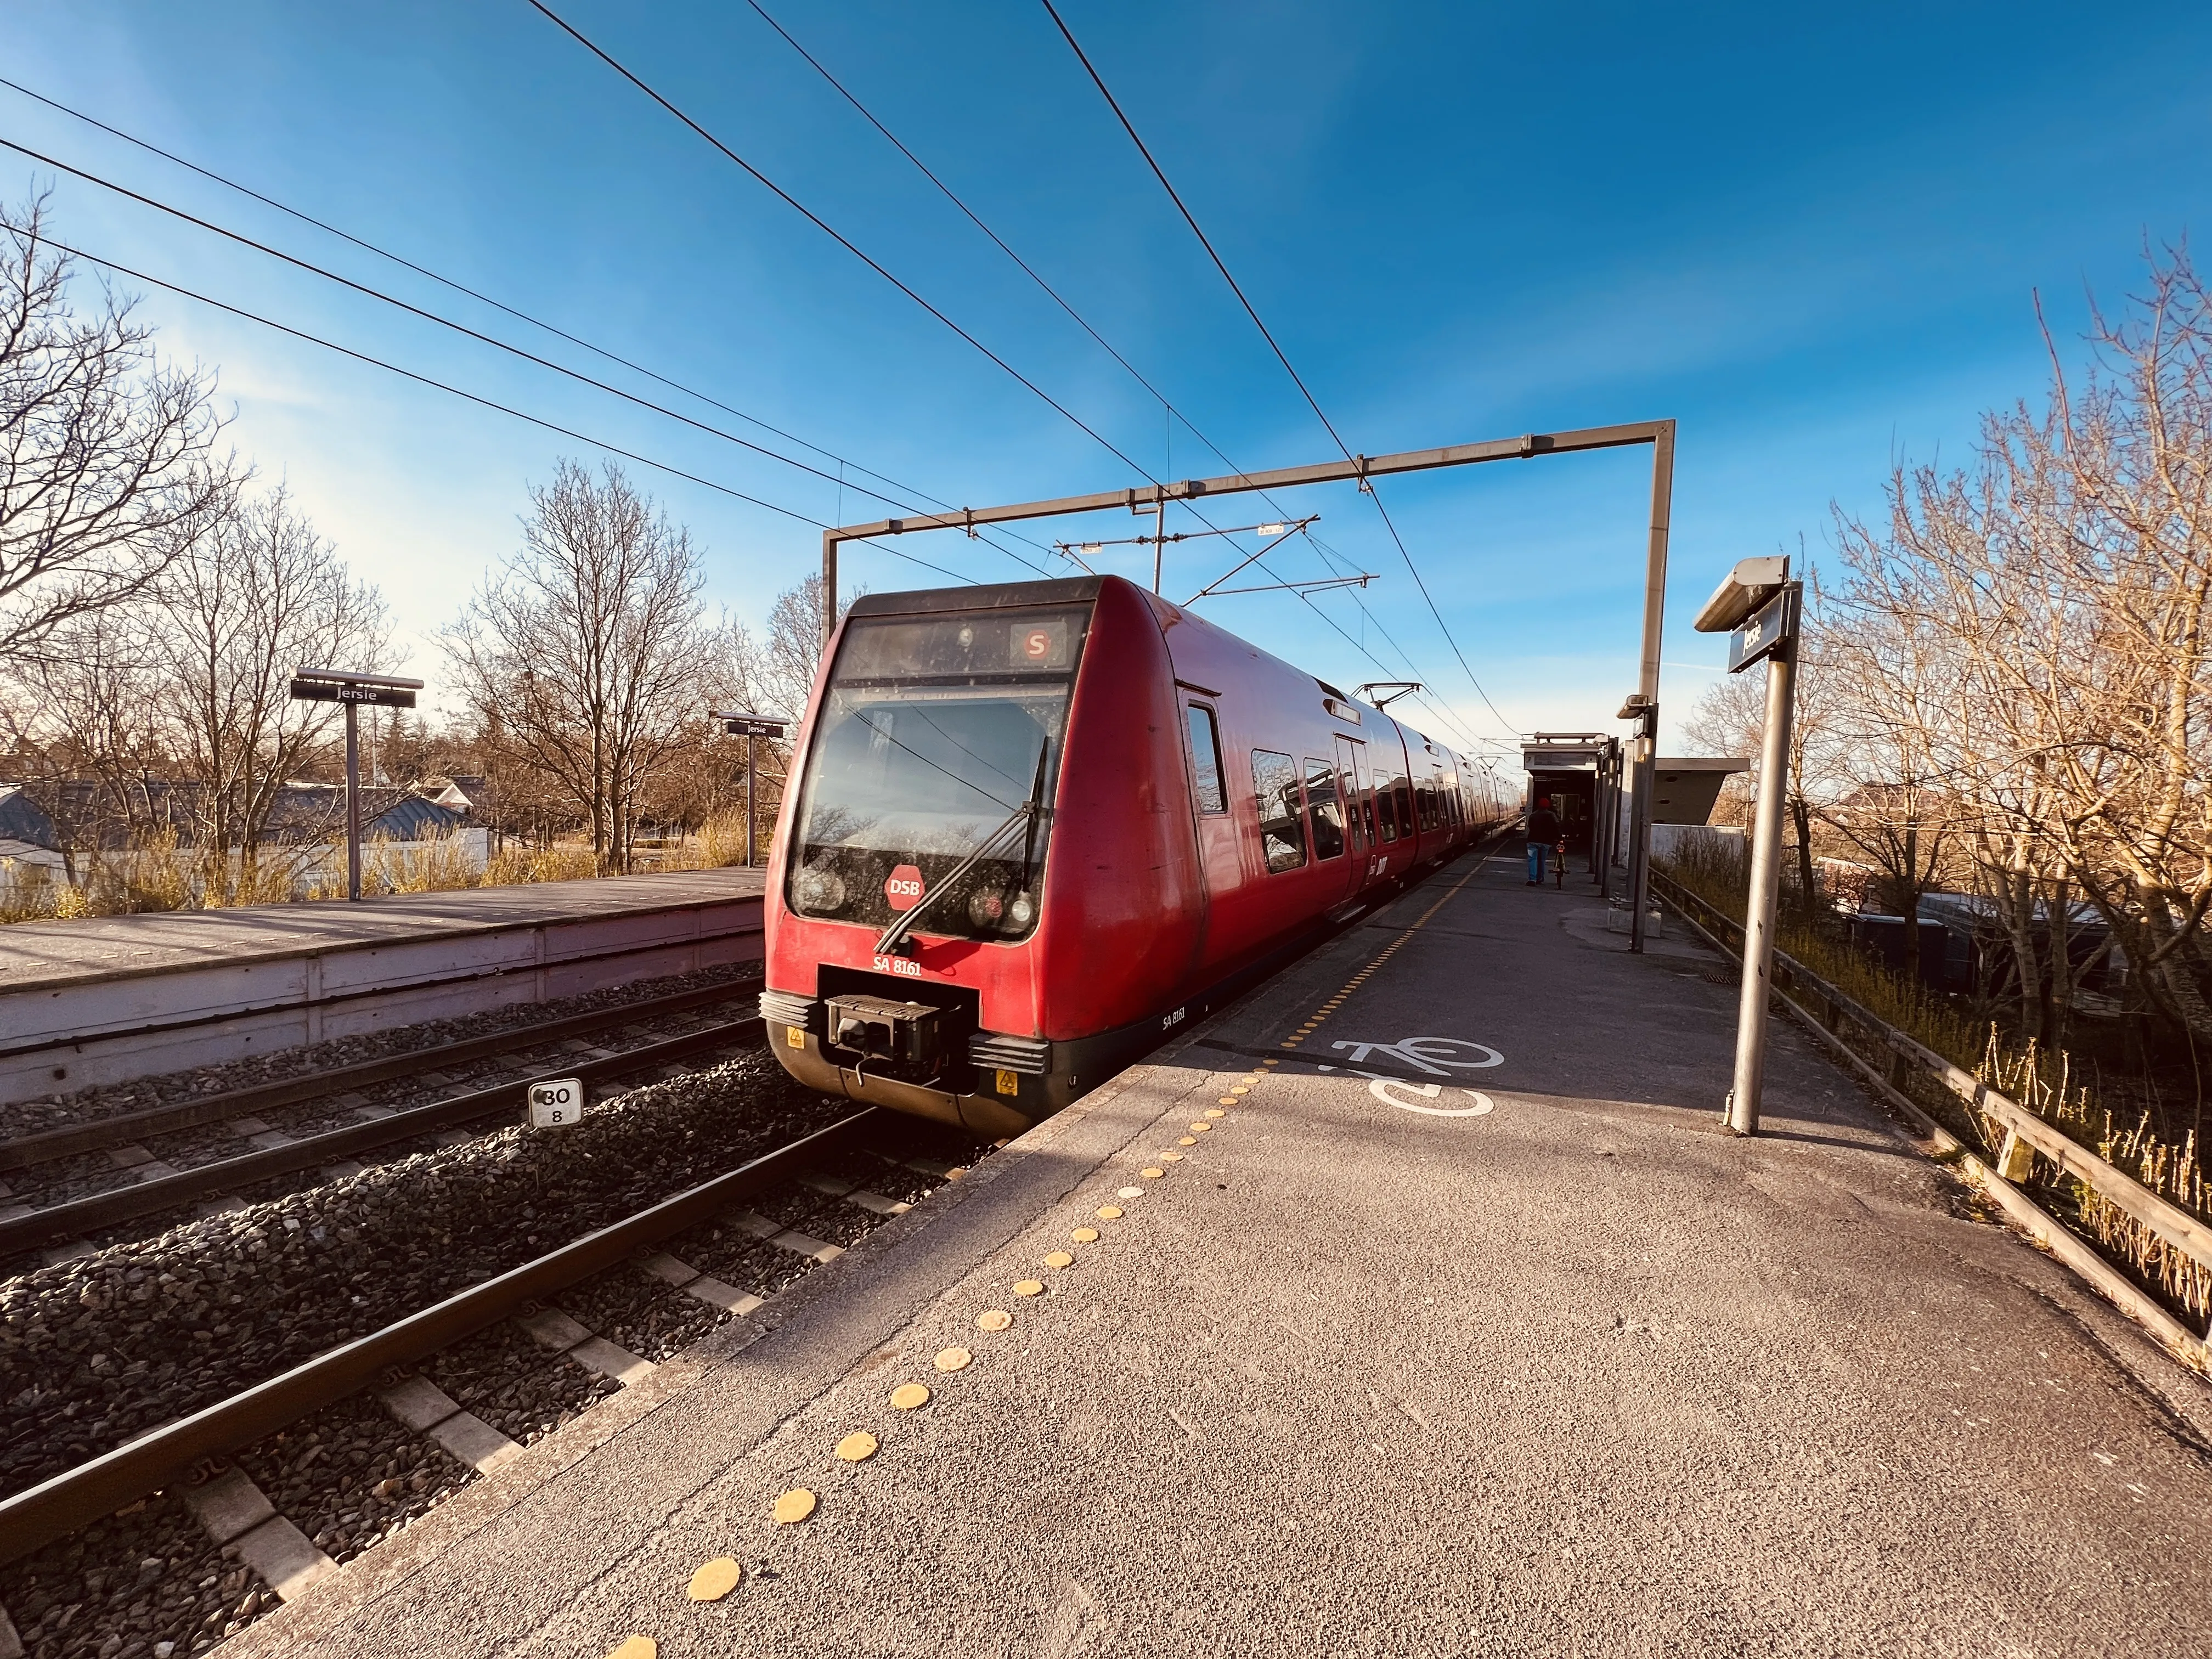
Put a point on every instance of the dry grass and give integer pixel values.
(515, 866)
(156, 874)
(2040, 1080)
(2043, 1084)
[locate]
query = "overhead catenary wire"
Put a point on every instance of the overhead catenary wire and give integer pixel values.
(1366, 485)
(122, 269)
(840, 238)
(497, 304)
(1065, 305)
(853, 248)
(459, 328)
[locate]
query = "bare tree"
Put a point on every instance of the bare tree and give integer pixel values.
(107, 462)
(2057, 592)
(586, 650)
(83, 717)
(239, 611)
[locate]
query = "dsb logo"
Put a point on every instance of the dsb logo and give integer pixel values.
(903, 887)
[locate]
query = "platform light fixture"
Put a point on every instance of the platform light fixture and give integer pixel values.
(1758, 608)
(1750, 586)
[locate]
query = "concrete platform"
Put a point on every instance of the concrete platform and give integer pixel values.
(1494, 1345)
(106, 998)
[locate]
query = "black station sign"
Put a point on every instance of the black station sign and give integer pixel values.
(369, 696)
(751, 726)
(1764, 632)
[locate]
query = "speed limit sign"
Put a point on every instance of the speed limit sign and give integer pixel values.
(557, 1102)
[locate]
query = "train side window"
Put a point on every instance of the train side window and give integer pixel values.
(1206, 760)
(1379, 804)
(1282, 826)
(1402, 787)
(1323, 808)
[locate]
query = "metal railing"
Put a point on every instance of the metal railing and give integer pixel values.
(1890, 1059)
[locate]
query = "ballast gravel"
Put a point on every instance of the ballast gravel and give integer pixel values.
(652, 1320)
(96, 1349)
(30, 1116)
(65, 1180)
(351, 1475)
(145, 1582)
(514, 1384)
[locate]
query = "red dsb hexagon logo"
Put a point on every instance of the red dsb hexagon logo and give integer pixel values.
(903, 887)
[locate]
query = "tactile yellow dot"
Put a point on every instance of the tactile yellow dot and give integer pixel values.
(1271, 1060)
(1131, 1191)
(1060, 1259)
(1187, 1140)
(1225, 1100)
(1151, 1175)
(1172, 1158)
(715, 1580)
(1199, 1128)
(1030, 1287)
(795, 1506)
(953, 1359)
(908, 1395)
(993, 1318)
(638, 1647)
(1241, 1089)
(1085, 1235)
(1107, 1213)
(857, 1447)
(1216, 1111)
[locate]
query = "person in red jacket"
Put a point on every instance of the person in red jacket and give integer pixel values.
(1543, 829)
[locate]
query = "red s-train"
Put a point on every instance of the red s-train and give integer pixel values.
(1038, 827)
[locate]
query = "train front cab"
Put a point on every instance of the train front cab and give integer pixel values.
(1019, 722)
(1154, 885)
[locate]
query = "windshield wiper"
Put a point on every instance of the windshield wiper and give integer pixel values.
(1029, 817)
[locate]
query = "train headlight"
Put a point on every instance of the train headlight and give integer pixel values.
(819, 891)
(987, 908)
(1021, 911)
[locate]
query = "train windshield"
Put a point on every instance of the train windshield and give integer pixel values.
(933, 733)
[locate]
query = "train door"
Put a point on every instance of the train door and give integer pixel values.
(1360, 807)
(1348, 791)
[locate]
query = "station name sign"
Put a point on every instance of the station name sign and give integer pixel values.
(1550, 760)
(1764, 632)
(751, 726)
(373, 697)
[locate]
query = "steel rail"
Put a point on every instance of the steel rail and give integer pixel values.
(95, 1135)
(82, 1215)
(78, 1496)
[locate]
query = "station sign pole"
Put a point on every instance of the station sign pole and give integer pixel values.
(1759, 607)
(749, 727)
(354, 692)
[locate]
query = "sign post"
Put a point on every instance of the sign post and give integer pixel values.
(749, 726)
(375, 690)
(1758, 608)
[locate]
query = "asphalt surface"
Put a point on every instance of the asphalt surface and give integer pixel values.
(1370, 1370)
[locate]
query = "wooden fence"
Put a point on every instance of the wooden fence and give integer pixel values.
(1889, 1058)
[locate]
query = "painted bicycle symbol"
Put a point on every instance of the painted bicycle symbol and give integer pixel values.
(1439, 1057)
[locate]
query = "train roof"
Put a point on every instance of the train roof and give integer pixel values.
(1074, 590)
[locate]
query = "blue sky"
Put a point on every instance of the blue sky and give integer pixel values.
(1814, 243)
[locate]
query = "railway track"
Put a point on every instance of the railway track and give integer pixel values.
(137, 1184)
(238, 1519)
